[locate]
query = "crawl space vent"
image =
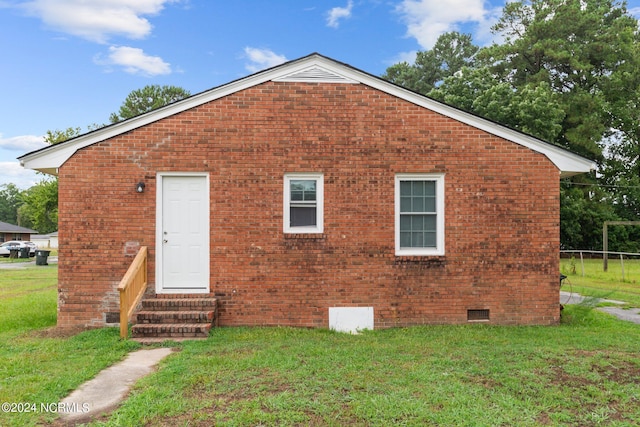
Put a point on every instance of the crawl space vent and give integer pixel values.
(475, 315)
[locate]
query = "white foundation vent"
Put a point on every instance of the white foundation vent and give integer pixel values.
(350, 319)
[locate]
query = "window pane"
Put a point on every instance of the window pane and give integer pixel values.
(405, 239)
(405, 204)
(405, 223)
(303, 189)
(417, 188)
(416, 240)
(429, 204)
(430, 188)
(430, 240)
(418, 231)
(418, 204)
(302, 216)
(429, 223)
(417, 196)
(405, 188)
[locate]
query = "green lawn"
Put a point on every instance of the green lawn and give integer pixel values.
(583, 372)
(39, 364)
(598, 283)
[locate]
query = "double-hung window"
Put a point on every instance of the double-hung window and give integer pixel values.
(419, 214)
(303, 203)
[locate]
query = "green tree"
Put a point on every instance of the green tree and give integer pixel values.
(580, 48)
(451, 52)
(9, 203)
(533, 109)
(57, 136)
(148, 98)
(40, 206)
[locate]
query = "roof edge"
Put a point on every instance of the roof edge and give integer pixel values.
(49, 159)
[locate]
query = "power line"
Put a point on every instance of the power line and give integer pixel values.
(586, 184)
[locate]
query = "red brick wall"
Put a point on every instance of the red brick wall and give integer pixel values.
(501, 213)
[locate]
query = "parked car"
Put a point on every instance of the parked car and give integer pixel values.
(17, 244)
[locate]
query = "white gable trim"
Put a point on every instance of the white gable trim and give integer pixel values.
(313, 68)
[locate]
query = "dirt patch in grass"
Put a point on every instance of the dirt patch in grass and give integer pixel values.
(623, 373)
(56, 332)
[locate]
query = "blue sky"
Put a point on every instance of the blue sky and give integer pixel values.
(71, 63)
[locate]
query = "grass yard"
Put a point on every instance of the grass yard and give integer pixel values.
(37, 363)
(583, 372)
(597, 283)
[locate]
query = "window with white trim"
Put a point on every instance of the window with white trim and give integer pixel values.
(303, 203)
(419, 214)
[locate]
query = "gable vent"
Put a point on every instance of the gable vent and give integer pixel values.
(477, 315)
(315, 74)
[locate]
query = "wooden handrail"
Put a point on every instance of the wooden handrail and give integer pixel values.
(131, 288)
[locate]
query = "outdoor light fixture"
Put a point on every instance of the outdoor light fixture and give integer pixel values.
(140, 187)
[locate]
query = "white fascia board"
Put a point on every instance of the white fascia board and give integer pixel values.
(50, 159)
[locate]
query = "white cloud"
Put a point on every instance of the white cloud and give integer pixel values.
(12, 172)
(428, 19)
(97, 20)
(135, 61)
(23, 144)
(408, 57)
(337, 13)
(262, 58)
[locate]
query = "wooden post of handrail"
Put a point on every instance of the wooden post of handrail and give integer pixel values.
(131, 288)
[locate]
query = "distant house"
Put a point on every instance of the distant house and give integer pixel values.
(46, 241)
(311, 191)
(14, 232)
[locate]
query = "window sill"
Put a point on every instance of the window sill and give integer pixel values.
(305, 236)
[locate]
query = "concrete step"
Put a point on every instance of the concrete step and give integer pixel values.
(178, 316)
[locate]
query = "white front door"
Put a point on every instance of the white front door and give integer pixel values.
(182, 234)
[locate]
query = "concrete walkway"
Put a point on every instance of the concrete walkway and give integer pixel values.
(104, 392)
(630, 315)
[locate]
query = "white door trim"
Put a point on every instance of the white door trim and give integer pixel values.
(159, 232)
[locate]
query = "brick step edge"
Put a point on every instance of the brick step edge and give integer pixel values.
(170, 330)
(179, 316)
(179, 304)
(180, 296)
(163, 340)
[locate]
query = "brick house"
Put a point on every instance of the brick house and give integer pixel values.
(14, 232)
(313, 192)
